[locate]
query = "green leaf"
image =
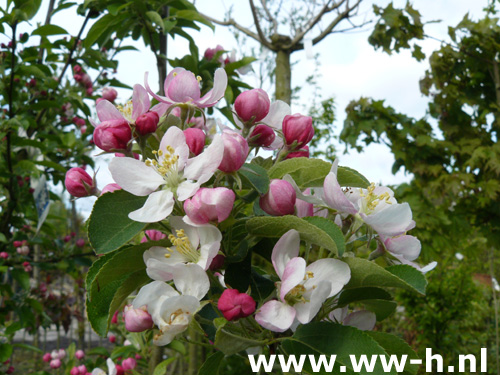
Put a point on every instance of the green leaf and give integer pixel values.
(381, 308)
(254, 176)
(275, 227)
(393, 345)
(330, 228)
(334, 339)
(113, 280)
(156, 18)
(46, 30)
(312, 172)
(212, 364)
(193, 15)
(23, 278)
(229, 342)
(5, 352)
(161, 369)
(109, 226)
(376, 300)
(365, 273)
(27, 347)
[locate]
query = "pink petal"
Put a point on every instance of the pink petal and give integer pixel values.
(140, 101)
(184, 88)
(217, 93)
(333, 194)
(161, 99)
(275, 316)
(277, 112)
(107, 111)
(285, 249)
(293, 275)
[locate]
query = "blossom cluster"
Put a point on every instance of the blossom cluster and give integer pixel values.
(192, 184)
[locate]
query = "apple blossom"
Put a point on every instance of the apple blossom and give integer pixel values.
(153, 235)
(55, 363)
(235, 305)
(109, 188)
(137, 320)
(129, 364)
(79, 354)
(209, 205)
(302, 153)
(302, 289)
(172, 169)
(252, 105)
(109, 94)
(280, 199)
(262, 136)
(235, 151)
(182, 87)
(111, 369)
(376, 205)
(47, 357)
(210, 53)
(147, 123)
(79, 183)
(297, 130)
(195, 139)
(113, 134)
(363, 319)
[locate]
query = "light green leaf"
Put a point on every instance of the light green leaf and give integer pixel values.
(161, 369)
(330, 228)
(46, 30)
(365, 273)
(156, 18)
(109, 226)
(254, 176)
(275, 227)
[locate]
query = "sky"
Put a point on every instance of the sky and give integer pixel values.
(349, 68)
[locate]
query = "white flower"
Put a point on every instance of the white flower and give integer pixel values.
(111, 369)
(363, 319)
(376, 206)
(302, 290)
(195, 245)
(179, 176)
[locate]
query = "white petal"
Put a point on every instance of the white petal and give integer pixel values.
(363, 320)
(306, 311)
(217, 92)
(391, 221)
(149, 294)
(192, 280)
(207, 254)
(187, 189)
(336, 272)
(275, 316)
(407, 246)
(175, 138)
(333, 194)
(107, 111)
(293, 275)
(277, 112)
(111, 367)
(158, 270)
(338, 315)
(202, 167)
(285, 249)
(134, 176)
(191, 232)
(157, 207)
(140, 101)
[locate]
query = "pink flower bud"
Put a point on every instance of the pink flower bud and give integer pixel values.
(110, 188)
(17, 243)
(112, 339)
(79, 183)
(217, 262)
(252, 105)
(89, 90)
(210, 53)
(67, 238)
(109, 94)
(86, 80)
(129, 364)
(10, 370)
(74, 371)
(79, 354)
(62, 353)
(138, 356)
(210, 204)
(82, 370)
(47, 357)
(235, 151)
(112, 135)
(78, 121)
(147, 123)
(27, 267)
(23, 250)
(235, 305)
(136, 320)
(4, 255)
(77, 69)
(114, 319)
(302, 153)
(262, 136)
(297, 128)
(80, 242)
(195, 139)
(78, 77)
(55, 363)
(154, 235)
(280, 199)
(119, 370)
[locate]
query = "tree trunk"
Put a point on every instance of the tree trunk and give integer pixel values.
(283, 76)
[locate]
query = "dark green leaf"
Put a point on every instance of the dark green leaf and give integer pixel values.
(330, 228)
(254, 176)
(212, 364)
(46, 30)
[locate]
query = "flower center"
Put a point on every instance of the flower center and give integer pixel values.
(372, 200)
(183, 246)
(165, 163)
(296, 294)
(126, 110)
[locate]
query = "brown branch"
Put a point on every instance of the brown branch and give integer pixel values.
(262, 37)
(270, 17)
(244, 30)
(326, 9)
(50, 10)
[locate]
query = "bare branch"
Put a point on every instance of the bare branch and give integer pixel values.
(244, 30)
(326, 9)
(270, 18)
(262, 37)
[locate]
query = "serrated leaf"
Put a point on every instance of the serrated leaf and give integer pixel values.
(46, 30)
(312, 172)
(330, 228)
(275, 227)
(212, 364)
(254, 176)
(229, 342)
(365, 273)
(109, 226)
